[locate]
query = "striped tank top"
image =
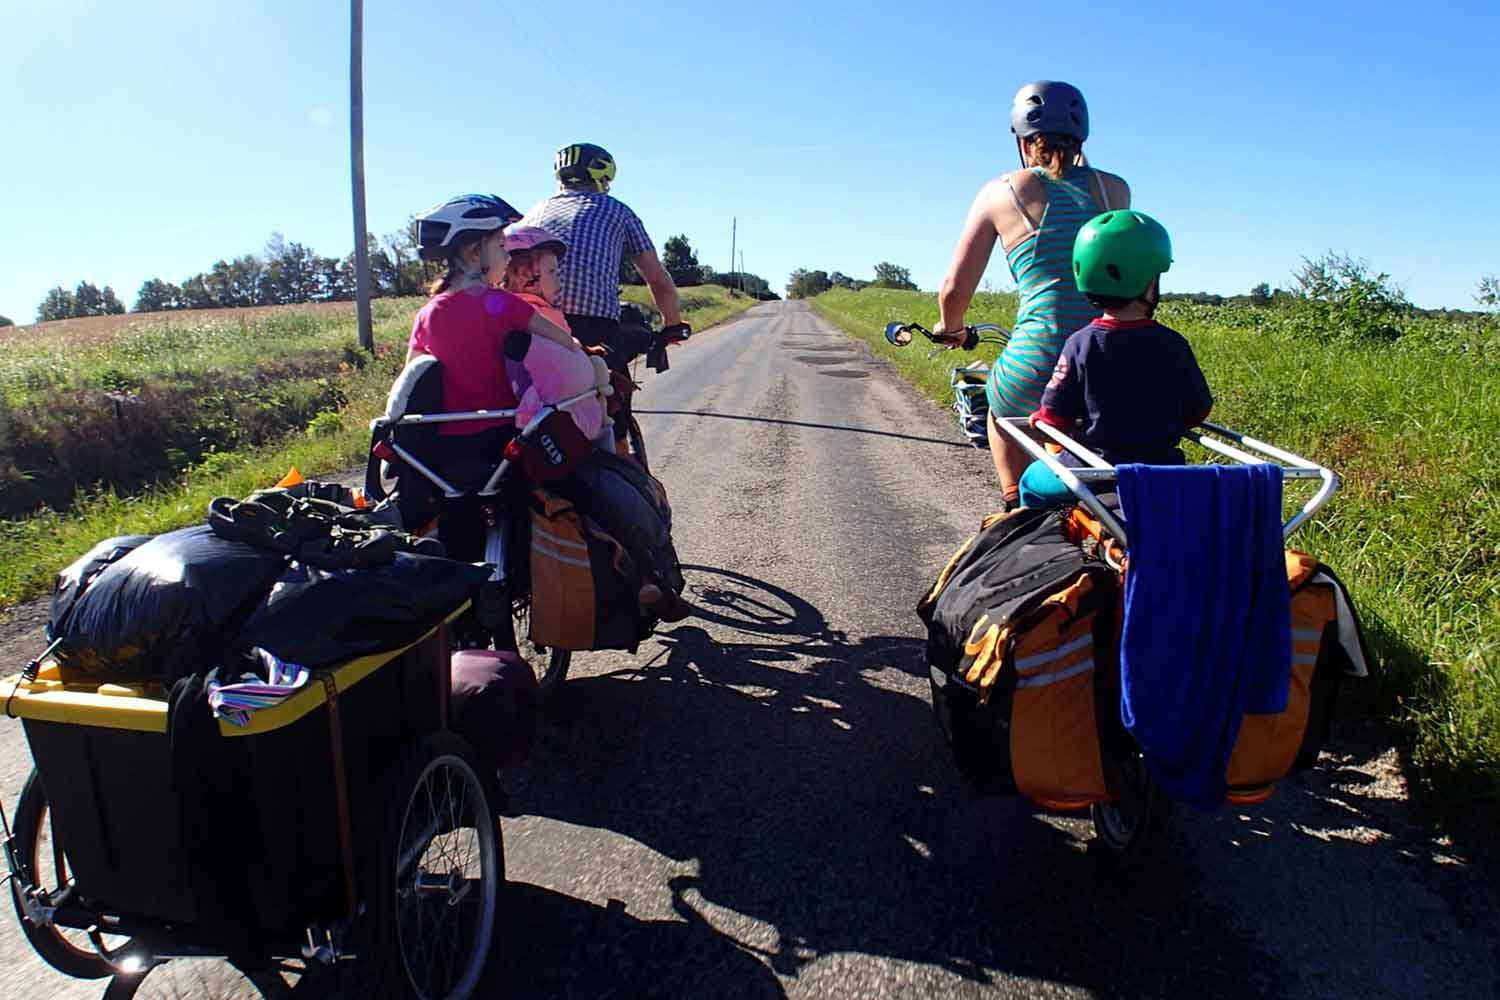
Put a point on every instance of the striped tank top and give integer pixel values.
(1051, 307)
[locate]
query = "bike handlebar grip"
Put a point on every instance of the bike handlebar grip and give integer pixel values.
(971, 338)
(676, 332)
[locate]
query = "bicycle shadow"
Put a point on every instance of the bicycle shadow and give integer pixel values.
(800, 772)
(565, 947)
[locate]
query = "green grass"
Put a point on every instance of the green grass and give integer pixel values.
(33, 549)
(1415, 530)
(702, 305)
(179, 346)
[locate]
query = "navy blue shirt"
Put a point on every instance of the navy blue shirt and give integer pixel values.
(1128, 389)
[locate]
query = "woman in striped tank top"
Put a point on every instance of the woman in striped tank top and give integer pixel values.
(1035, 214)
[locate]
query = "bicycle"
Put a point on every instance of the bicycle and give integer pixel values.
(636, 340)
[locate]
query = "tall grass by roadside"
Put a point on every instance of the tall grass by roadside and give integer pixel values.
(1415, 531)
(174, 346)
(34, 548)
(151, 400)
(702, 305)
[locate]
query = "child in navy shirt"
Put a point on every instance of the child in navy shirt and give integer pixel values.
(1125, 385)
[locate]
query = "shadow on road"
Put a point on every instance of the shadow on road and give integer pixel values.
(563, 947)
(819, 803)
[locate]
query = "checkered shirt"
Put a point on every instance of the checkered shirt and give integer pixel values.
(598, 230)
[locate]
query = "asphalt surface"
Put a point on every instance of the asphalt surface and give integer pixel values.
(759, 804)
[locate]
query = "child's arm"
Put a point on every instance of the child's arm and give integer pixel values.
(1197, 400)
(1062, 400)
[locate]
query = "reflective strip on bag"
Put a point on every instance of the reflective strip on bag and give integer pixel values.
(567, 543)
(536, 546)
(1041, 680)
(1025, 664)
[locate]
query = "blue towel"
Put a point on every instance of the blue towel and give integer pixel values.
(1207, 631)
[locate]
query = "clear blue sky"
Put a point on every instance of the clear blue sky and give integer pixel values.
(151, 141)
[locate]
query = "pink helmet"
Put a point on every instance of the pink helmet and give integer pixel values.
(522, 238)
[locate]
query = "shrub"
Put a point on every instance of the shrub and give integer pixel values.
(1339, 297)
(117, 381)
(326, 424)
(216, 463)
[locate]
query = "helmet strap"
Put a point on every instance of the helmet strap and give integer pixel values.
(1152, 297)
(468, 276)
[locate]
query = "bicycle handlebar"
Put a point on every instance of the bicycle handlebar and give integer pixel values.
(899, 335)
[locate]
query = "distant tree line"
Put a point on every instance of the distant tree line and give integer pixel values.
(85, 300)
(680, 261)
(804, 284)
(283, 273)
(288, 273)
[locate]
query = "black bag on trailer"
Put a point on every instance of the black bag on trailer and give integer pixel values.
(73, 581)
(318, 617)
(166, 608)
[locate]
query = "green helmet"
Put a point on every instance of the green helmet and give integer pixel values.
(1118, 253)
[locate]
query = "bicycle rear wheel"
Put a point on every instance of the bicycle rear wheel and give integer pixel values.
(436, 885)
(39, 849)
(549, 665)
(1131, 826)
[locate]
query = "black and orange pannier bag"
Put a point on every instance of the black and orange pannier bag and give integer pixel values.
(1327, 645)
(583, 586)
(1023, 658)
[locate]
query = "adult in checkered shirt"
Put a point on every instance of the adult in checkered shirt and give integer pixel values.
(599, 231)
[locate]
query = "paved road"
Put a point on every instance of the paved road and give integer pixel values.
(759, 804)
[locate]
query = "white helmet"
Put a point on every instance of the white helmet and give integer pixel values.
(439, 228)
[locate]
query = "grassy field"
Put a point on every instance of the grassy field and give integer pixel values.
(702, 305)
(114, 403)
(34, 548)
(1415, 531)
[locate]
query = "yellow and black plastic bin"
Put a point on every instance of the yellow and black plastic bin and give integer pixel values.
(267, 832)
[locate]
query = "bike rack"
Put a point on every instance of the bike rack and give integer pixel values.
(1096, 470)
(492, 485)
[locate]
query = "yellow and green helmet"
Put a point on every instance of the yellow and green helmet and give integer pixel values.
(583, 164)
(1118, 253)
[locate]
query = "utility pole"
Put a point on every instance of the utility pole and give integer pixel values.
(357, 168)
(733, 232)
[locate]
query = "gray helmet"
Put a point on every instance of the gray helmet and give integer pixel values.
(1049, 106)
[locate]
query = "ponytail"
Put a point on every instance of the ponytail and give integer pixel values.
(452, 269)
(1053, 153)
(443, 282)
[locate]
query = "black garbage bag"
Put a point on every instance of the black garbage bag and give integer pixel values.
(166, 608)
(73, 581)
(318, 617)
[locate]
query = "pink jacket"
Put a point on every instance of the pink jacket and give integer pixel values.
(554, 373)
